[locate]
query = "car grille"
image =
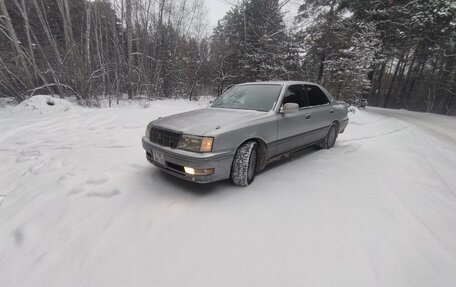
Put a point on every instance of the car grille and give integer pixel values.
(164, 137)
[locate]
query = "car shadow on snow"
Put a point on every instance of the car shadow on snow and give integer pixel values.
(221, 186)
(193, 187)
(287, 158)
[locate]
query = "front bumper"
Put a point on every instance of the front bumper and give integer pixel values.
(176, 159)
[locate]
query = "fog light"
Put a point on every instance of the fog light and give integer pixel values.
(198, 171)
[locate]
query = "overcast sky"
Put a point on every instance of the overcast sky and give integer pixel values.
(217, 9)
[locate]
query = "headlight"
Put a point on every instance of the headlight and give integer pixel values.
(148, 130)
(195, 143)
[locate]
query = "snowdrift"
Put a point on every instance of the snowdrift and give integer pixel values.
(44, 104)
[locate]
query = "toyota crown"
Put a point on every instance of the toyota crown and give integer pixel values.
(243, 129)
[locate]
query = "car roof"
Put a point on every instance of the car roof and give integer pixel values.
(288, 83)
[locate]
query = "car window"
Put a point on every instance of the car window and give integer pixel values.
(260, 97)
(316, 96)
(297, 95)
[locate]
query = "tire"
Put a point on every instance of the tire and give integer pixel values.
(330, 138)
(244, 164)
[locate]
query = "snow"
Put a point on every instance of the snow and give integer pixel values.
(44, 104)
(353, 110)
(82, 206)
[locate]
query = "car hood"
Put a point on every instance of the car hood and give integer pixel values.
(202, 121)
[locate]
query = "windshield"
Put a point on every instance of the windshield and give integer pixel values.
(249, 97)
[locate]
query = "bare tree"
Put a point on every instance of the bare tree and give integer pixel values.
(129, 48)
(15, 44)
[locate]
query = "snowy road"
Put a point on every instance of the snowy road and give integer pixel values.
(80, 206)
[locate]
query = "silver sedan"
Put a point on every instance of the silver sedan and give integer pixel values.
(244, 129)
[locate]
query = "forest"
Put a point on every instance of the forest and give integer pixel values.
(393, 53)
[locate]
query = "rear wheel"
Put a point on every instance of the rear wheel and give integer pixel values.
(330, 138)
(244, 164)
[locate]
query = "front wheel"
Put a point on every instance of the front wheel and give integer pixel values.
(244, 164)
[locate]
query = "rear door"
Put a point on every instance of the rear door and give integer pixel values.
(293, 128)
(321, 110)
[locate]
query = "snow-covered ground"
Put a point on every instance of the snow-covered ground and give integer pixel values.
(81, 206)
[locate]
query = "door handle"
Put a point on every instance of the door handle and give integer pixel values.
(331, 111)
(308, 116)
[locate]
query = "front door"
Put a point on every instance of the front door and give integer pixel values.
(293, 128)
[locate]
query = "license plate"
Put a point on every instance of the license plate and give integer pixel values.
(158, 157)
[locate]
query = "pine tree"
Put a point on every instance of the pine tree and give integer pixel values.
(339, 52)
(415, 35)
(250, 44)
(263, 51)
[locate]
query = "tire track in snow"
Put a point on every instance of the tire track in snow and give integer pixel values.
(374, 136)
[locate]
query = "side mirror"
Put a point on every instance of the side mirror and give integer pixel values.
(289, 108)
